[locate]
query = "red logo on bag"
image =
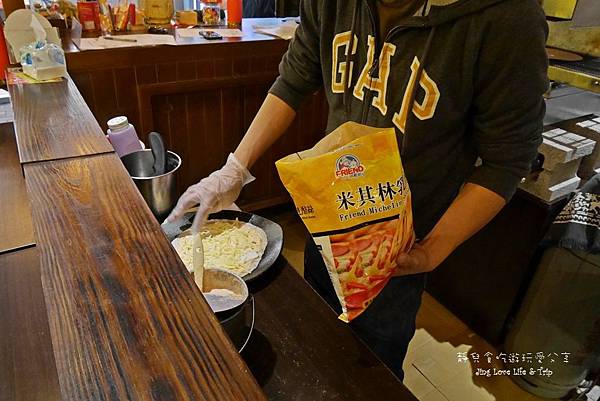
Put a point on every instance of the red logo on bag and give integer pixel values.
(348, 166)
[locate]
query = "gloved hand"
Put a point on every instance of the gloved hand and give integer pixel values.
(214, 193)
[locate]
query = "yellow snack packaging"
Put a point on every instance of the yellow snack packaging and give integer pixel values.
(352, 195)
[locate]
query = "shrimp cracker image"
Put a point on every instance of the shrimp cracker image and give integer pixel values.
(352, 195)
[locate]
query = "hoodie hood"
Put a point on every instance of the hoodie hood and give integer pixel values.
(442, 14)
(437, 12)
(433, 13)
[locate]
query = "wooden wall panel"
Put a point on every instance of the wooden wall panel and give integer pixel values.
(126, 96)
(262, 169)
(105, 94)
(202, 99)
(186, 71)
(83, 81)
(167, 72)
(146, 74)
(205, 69)
(109, 93)
(205, 126)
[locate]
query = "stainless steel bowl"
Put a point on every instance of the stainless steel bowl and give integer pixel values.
(238, 318)
(160, 192)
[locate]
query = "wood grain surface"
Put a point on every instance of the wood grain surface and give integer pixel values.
(52, 122)
(127, 320)
(16, 229)
(301, 351)
(27, 368)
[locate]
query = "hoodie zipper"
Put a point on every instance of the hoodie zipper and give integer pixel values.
(369, 95)
(375, 67)
(392, 32)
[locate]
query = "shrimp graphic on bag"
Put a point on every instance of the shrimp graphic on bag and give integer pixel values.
(352, 195)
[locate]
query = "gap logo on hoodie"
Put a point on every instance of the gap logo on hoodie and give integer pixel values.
(477, 82)
(423, 110)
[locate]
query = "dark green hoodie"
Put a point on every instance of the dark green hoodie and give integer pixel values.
(482, 69)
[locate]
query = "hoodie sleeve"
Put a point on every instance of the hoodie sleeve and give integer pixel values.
(300, 68)
(508, 100)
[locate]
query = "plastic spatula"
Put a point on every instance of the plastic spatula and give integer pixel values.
(159, 152)
(198, 261)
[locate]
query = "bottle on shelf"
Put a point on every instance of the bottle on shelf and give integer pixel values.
(211, 12)
(234, 13)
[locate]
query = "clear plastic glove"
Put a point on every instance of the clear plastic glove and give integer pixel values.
(213, 193)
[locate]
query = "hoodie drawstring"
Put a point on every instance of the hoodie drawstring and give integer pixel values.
(349, 60)
(348, 78)
(424, 9)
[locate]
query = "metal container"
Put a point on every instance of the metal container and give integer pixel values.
(559, 315)
(159, 192)
(217, 279)
(239, 326)
(236, 316)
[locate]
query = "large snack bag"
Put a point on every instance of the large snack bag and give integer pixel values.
(352, 195)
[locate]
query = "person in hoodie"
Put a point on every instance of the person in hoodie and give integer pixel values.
(459, 80)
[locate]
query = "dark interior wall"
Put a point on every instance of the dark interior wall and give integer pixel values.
(271, 8)
(287, 8)
(259, 8)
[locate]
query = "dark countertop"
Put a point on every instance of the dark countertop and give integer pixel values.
(16, 229)
(27, 367)
(301, 351)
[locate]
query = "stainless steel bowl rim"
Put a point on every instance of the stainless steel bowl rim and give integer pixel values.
(177, 158)
(246, 293)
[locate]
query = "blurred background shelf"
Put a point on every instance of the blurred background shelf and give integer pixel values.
(576, 75)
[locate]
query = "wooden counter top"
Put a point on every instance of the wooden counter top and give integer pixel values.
(71, 46)
(124, 318)
(53, 122)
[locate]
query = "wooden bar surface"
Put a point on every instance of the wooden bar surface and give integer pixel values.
(16, 229)
(127, 320)
(27, 368)
(248, 35)
(301, 351)
(53, 122)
